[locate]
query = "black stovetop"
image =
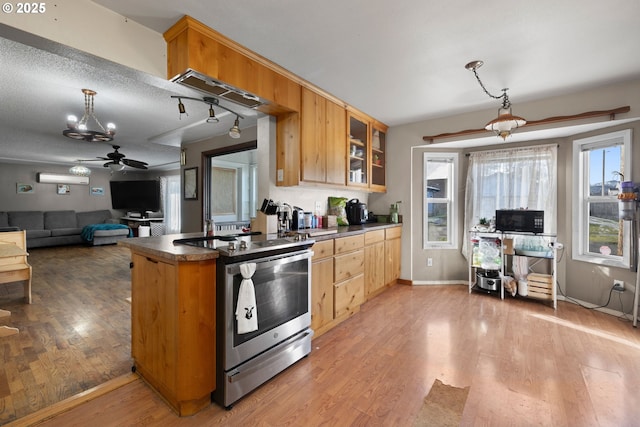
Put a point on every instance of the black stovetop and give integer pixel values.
(248, 245)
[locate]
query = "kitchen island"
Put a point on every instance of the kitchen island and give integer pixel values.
(173, 309)
(173, 301)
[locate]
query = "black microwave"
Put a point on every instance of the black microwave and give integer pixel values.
(522, 220)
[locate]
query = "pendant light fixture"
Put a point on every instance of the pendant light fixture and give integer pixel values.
(234, 132)
(506, 121)
(79, 129)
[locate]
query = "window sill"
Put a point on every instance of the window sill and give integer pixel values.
(602, 261)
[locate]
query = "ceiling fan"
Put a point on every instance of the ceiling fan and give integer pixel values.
(117, 161)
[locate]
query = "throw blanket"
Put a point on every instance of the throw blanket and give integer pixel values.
(88, 230)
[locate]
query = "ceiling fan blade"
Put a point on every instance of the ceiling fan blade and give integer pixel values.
(135, 163)
(106, 165)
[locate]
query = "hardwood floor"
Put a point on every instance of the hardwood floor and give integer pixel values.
(75, 335)
(525, 363)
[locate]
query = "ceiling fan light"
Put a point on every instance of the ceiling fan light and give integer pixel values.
(80, 170)
(234, 132)
(116, 167)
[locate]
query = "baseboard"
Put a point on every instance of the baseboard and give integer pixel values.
(595, 307)
(437, 282)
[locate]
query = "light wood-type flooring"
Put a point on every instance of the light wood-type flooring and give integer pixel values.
(526, 365)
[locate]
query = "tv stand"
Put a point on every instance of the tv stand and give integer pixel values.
(140, 220)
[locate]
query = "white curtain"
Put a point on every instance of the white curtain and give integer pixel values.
(170, 194)
(511, 179)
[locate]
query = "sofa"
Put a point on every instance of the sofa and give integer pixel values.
(67, 227)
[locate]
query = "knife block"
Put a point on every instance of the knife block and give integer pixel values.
(266, 224)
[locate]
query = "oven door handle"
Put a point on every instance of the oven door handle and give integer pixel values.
(268, 262)
(259, 362)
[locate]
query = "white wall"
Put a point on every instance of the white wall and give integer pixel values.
(89, 27)
(45, 196)
(406, 146)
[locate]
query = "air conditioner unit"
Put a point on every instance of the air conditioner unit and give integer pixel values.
(60, 178)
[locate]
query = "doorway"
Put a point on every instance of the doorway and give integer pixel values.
(230, 185)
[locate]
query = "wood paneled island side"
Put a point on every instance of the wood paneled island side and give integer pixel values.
(173, 309)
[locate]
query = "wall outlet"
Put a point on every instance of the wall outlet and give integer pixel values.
(318, 208)
(618, 285)
(429, 262)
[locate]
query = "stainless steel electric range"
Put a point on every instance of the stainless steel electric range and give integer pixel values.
(282, 285)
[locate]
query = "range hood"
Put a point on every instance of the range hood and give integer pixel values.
(206, 84)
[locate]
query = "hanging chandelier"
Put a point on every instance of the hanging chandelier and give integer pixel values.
(506, 121)
(78, 129)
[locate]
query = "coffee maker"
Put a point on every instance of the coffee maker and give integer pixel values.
(297, 219)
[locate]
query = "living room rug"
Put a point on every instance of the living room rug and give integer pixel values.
(443, 406)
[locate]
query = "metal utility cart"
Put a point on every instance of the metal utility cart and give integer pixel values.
(545, 287)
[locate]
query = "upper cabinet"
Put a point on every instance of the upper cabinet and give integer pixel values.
(367, 152)
(322, 131)
(319, 139)
(359, 151)
(378, 157)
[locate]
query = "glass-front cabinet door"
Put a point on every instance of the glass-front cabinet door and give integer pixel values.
(378, 157)
(359, 151)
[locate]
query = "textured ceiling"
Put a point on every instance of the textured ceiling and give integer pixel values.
(399, 62)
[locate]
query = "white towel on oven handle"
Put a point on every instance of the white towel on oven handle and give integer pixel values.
(246, 310)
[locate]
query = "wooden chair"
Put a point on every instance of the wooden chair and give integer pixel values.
(14, 267)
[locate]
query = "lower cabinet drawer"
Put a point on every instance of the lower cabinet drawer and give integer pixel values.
(348, 265)
(348, 295)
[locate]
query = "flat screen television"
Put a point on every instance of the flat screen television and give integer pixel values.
(135, 195)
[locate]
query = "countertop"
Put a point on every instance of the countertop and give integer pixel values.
(163, 246)
(350, 230)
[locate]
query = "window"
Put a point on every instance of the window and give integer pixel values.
(439, 195)
(518, 178)
(600, 163)
(170, 195)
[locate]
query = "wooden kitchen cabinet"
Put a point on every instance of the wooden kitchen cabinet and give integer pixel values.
(173, 328)
(374, 264)
(311, 132)
(322, 130)
(348, 275)
(322, 285)
(359, 150)
(349, 296)
(378, 157)
(392, 252)
(346, 271)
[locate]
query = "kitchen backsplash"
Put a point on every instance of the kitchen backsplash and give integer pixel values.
(306, 197)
